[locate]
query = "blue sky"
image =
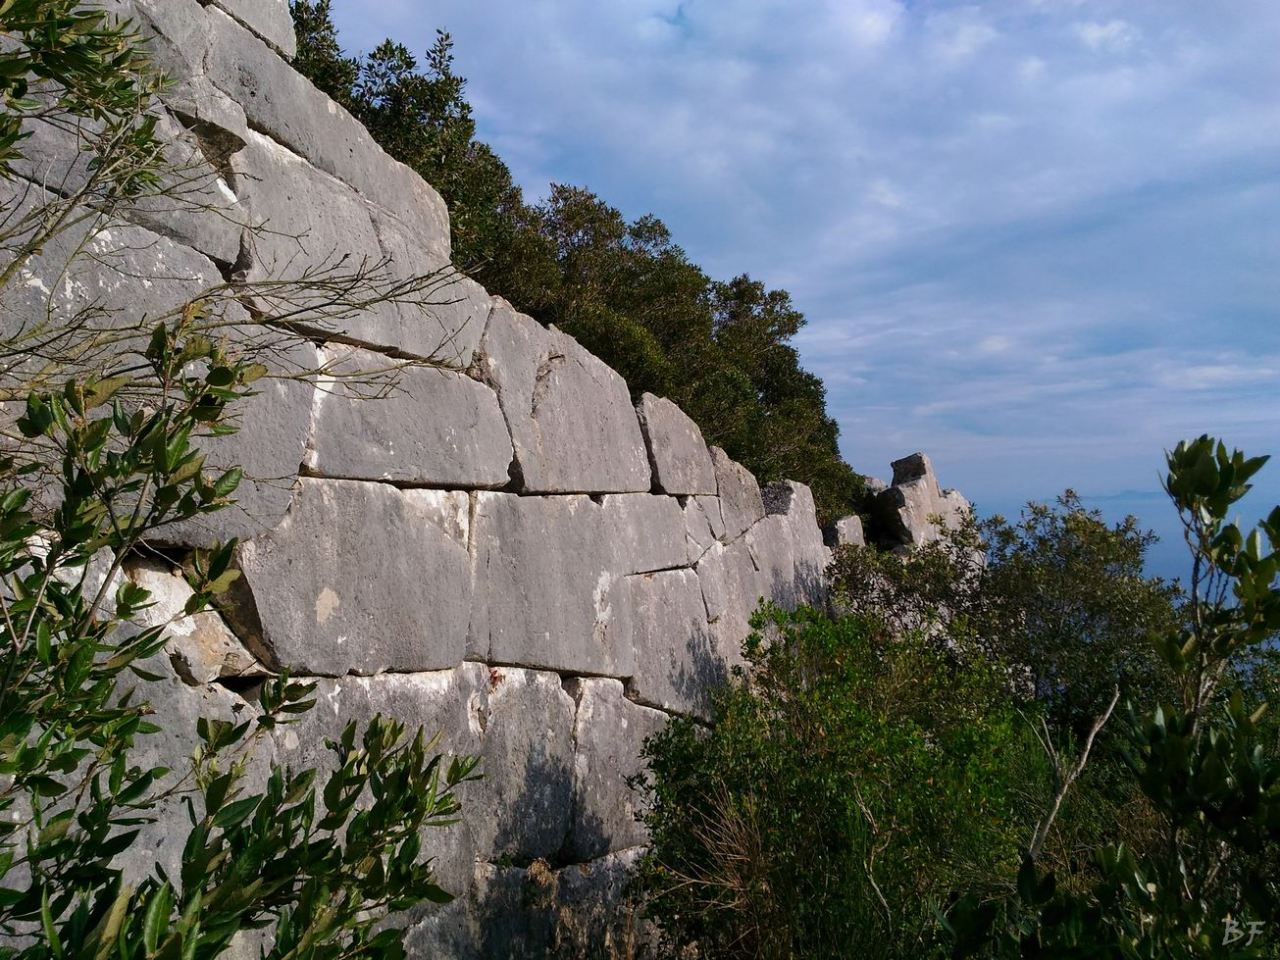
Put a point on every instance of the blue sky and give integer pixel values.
(1038, 239)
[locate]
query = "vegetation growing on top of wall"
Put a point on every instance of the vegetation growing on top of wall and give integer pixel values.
(1007, 744)
(625, 290)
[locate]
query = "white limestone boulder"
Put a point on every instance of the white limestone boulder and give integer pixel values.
(570, 416)
(546, 586)
(360, 578)
(678, 454)
(433, 427)
(677, 664)
(609, 732)
(740, 501)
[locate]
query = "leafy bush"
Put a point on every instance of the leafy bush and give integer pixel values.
(1205, 760)
(849, 781)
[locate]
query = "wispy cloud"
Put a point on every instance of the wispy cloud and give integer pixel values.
(1039, 239)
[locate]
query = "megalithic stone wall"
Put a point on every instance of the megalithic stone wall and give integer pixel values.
(508, 551)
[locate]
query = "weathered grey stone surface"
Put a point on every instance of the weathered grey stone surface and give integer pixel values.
(731, 590)
(698, 526)
(443, 313)
(610, 731)
(570, 415)
(199, 648)
(269, 19)
(522, 808)
(740, 501)
(451, 703)
(596, 909)
(914, 510)
(177, 708)
(286, 107)
(177, 32)
(678, 454)
(846, 532)
(545, 585)
(361, 578)
(95, 275)
(677, 662)
(436, 427)
(645, 531)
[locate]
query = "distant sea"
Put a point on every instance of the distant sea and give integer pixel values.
(1168, 557)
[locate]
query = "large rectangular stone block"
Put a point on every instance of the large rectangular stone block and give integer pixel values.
(269, 19)
(677, 663)
(681, 462)
(740, 501)
(349, 274)
(570, 415)
(434, 427)
(521, 810)
(610, 732)
(362, 578)
(647, 532)
(546, 585)
(450, 703)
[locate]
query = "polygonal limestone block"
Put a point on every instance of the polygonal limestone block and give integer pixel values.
(269, 19)
(740, 502)
(570, 415)
(445, 702)
(199, 648)
(647, 532)
(732, 591)
(677, 664)
(285, 106)
(505, 912)
(176, 32)
(845, 532)
(442, 312)
(545, 585)
(360, 578)
(521, 810)
(434, 427)
(94, 275)
(610, 732)
(701, 522)
(326, 242)
(915, 510)
(272, 429)
(773, 553)
(679, 456)
(791, 505)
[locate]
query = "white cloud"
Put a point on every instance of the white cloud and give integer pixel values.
(1010, 224)
(1114, 35)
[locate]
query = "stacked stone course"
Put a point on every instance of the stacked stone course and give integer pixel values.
(507, 550)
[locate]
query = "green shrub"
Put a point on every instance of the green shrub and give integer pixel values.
(849, 781)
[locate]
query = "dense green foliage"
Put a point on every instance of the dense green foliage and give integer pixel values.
(1209, 884)
(1029, 747)
(64, 58)
(89, 473)
(851, 781)
(721, 350)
